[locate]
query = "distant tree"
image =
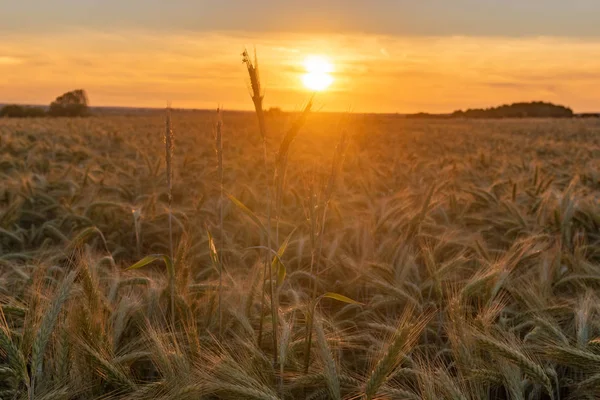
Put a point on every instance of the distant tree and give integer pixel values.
(274, 111)
(16, 111)
(419, 115)
(70, 104)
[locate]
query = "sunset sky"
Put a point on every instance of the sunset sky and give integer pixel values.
(389, 55)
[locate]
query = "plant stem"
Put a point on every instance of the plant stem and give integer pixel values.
(169, 162)
(219, 144)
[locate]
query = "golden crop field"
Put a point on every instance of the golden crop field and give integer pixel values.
(396, 259)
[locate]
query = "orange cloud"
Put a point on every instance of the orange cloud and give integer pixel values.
(7, 60)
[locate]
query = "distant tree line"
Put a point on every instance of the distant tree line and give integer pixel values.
(16, 111)
(70, 104)
(536, 109)
(423, 115)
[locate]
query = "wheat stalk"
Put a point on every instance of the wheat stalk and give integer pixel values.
(402, 340)
(46, 328)
(16, 361)
(331, 375)
(107, 370)
(529, 366)
(257, 98)
(282, 160)
(219, 149)
(169, 145)
(338, 159)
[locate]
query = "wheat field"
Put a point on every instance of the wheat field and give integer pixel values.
(381, 258)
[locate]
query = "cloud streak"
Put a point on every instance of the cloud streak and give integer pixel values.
(9, 60)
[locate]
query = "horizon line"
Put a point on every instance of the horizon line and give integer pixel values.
(250, 110)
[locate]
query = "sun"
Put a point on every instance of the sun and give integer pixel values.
(318, 73)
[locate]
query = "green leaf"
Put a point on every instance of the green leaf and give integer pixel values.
(277, 264)
(170, 266)
(281, 272)
(339, 297)
(145, 261)
(214, 257)
(248, 213)
(154, 257)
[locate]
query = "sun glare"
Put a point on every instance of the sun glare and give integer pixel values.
(318, 73)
